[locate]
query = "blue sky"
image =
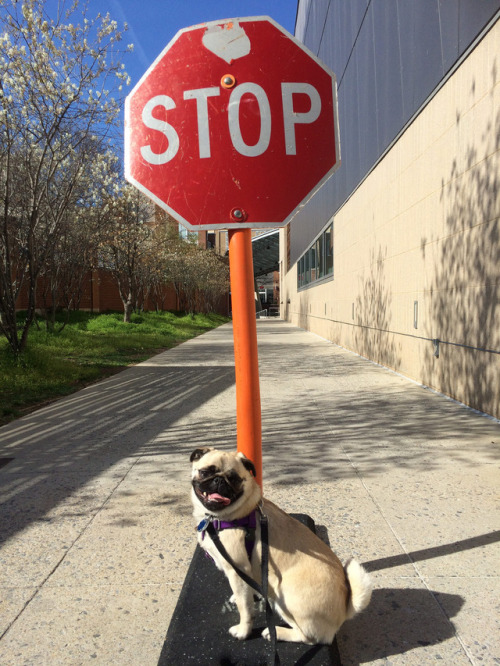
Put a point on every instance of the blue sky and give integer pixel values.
(153, 23)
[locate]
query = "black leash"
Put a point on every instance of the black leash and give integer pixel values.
(263, 591)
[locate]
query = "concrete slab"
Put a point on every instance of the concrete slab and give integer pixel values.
(452, 512)
(351, 521)
(93, 624)
(12, 603)
(42, 518)
(477, 621)
(135, 539)
(95, 527)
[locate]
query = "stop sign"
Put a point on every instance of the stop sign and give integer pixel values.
(233, 126)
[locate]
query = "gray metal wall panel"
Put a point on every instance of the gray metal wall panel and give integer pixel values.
(301, 20)
(388, 56)
(421, 55)
(448, 22)
(316, 23)
(388, 73)
(364, 118)
(474, 14)
(339, 25)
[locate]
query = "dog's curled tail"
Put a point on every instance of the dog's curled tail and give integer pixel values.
(361, 588)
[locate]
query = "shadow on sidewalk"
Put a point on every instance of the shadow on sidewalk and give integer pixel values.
(396, 621)
(325, 437)
(436, 551)
(402, 619)
(61, 448)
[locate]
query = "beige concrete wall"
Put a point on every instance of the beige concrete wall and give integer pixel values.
(424, 226)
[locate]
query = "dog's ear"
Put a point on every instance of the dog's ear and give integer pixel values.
(199, 453)
(247, 464)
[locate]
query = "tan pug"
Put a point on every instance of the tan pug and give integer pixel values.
(308, 586)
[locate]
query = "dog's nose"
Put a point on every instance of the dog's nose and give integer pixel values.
(220, 483)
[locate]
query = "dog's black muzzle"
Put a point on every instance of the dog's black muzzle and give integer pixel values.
(216, 492)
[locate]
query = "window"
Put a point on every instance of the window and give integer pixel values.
(312, 262)
(320, 245)
(317, 261)
(329, 250)
(188, 236)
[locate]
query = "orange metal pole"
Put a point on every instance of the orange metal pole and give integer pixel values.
(246, 361)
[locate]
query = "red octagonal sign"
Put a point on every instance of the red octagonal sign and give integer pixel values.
(234, 125)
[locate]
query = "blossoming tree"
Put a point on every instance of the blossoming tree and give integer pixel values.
(60, 84)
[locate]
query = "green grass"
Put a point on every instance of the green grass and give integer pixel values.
(89, 348)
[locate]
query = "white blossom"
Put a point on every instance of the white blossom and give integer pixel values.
(57, 109)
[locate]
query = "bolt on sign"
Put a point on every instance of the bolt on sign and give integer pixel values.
(233, 126)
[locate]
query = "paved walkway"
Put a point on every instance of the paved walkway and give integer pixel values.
(95, 526)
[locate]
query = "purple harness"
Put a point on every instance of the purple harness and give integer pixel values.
(249, 523)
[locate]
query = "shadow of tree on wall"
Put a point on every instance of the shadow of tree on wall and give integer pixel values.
(373, 316)
(464, 291)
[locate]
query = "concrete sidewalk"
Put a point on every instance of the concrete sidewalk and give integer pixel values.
(95, 525)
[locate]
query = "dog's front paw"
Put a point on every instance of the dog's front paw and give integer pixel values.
(240, 631)
(266, 635)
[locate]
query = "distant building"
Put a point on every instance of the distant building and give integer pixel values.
(398, 256)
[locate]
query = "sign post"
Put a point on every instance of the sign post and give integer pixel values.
(234, 126)
(246, 362)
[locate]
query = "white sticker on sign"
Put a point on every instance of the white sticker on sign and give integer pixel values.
(228, 41)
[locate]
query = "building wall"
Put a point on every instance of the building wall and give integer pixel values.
(100, 294)
(423, 227)
(388, 57)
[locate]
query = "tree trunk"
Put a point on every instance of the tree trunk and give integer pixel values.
(127, 308)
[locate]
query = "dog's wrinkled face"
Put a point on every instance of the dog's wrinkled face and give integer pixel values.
(219, 478)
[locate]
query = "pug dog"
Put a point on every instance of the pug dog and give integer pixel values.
(308, 586)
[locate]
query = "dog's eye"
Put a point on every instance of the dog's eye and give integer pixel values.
(233, 478)
(208, 471)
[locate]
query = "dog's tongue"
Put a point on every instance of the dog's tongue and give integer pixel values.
(215, 497)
